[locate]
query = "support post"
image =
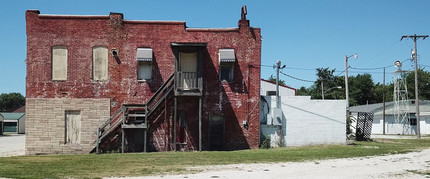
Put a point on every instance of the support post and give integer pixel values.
(122, 131)
(200, 124)
(122, 139)
(145, 132)
(144, 138)
(98, 140)
(174, 122)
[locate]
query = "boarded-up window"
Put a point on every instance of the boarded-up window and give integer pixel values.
(73, 127)
(144, 63)
(59, 63)
(226, 64)
(100, 63)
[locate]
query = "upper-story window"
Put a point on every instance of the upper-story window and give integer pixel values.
(59, 63)
(144, 63)
(100, 63)
(226, 64)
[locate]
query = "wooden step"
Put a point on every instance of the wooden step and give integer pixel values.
(136, 115)
(135, 126)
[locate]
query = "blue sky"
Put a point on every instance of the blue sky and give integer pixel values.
(304, 35)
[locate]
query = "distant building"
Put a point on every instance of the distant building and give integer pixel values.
(13, 122)
(406, 126)
(268, 88)
(1, 124)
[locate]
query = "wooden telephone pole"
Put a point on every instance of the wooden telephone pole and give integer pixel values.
(415, 37)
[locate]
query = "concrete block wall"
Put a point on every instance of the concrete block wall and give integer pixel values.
(307, 122)
(45, 124)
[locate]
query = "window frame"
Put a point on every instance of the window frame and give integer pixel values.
(412, 119)
(54, 63)
(144, 63)
(226, 63)
(105, 65)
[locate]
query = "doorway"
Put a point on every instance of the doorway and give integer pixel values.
(188, 70)
(216, 132)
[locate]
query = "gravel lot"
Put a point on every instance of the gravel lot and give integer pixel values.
(12, 145)
(389, 166)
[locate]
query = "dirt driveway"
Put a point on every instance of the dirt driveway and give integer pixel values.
(12, 145)
(390, 166)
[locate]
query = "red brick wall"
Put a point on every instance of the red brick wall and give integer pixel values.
(238, 101)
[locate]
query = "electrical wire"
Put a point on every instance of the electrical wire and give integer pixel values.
(296, 78)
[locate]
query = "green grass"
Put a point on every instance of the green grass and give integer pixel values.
(158, 163)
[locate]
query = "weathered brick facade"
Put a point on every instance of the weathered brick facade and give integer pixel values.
(237, 101)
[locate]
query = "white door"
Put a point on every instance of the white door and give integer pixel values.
(73, 127)
(189, 69)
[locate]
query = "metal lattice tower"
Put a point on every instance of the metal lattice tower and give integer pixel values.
(401, 106)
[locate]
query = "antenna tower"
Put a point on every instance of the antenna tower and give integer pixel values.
(401, 106)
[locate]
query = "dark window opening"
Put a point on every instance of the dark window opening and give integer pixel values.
(412, 119)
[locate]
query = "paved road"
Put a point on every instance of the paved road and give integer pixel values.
(12, 145)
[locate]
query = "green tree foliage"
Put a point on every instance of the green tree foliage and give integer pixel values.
(303, 91)
(273, 79)
(423, 84)
(362, 89)
(11, 101)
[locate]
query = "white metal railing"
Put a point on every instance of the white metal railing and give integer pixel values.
(187, 80)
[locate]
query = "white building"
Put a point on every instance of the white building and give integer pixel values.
(299, 120)
(406, 126)
(268, 86)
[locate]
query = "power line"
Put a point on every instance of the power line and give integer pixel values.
(341, 72)
(296, 78)
(295, 68)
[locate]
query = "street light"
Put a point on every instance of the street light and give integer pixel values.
(346, 83)
(337, 87)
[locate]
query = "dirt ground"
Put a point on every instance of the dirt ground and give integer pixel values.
(12, 145)
(408, 165)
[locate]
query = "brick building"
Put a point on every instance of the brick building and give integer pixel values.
(100, 83)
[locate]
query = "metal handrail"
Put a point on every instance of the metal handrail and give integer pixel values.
(191, 78)
(117, 117)
(159, 91)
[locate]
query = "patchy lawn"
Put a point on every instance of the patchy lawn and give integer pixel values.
(141, 164)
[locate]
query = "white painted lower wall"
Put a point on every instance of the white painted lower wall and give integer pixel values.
(304, 121)
(391, 127)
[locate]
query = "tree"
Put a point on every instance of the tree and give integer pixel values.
(303, 91)
(423, 84)
(11, 101)
(273, 79)
(362, 90)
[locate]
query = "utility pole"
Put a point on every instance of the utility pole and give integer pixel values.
(277, 67)
(383, 104)
(415, 37)
(346, 84)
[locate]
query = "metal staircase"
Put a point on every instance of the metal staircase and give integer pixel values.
(127, 117)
